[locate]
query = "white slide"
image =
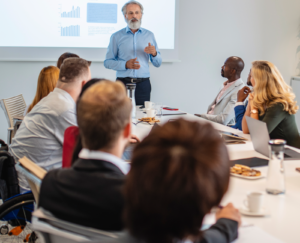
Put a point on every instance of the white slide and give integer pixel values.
(79, 23)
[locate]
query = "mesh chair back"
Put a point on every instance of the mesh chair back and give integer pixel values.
(12, 107)
(55, 230)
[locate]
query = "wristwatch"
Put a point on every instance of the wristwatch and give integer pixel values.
(254, 111)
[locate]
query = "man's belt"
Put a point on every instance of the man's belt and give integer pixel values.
(133, 80)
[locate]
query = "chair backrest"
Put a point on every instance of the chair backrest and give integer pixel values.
(12, 107)
(55, 230)
(33, 181)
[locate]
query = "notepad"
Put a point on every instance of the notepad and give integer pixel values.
(33, 167)
(170, 113)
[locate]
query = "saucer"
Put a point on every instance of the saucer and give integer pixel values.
(246, 212)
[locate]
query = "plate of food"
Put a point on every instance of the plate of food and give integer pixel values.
(150, 120)
(245, 172)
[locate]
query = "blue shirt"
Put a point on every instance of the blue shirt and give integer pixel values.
(124, 45)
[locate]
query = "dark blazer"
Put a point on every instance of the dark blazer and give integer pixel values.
(239, 114)
(223, 231)
(87, 194)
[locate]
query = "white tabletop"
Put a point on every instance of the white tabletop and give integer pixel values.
(283, 218)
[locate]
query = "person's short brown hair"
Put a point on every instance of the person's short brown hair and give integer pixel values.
(64, 56)
(103, 111)
(73, 68)
(178, 173)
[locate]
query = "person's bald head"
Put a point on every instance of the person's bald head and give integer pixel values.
(232, 68)
(102, 113)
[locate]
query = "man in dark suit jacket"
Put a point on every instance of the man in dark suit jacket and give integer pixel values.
(89, 193)
(241, 104)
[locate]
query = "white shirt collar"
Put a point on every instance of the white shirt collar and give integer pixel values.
(98, 155)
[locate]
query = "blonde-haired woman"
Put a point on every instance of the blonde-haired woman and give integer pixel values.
(272, 102)
(46, 83)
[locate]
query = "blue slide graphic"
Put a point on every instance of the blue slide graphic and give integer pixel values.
(74, 13)
(73, 30)
(102, 13)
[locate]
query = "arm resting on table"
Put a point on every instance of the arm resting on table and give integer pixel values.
(224, 231)
(226, 115)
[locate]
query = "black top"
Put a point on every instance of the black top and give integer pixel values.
(223, 231)
(87, 194)
(281, 125)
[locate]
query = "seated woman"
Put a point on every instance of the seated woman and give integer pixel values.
(272, 102)
(63, 57)
(179, 172)
(46, 83)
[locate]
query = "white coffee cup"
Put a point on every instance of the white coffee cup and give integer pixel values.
(151, 113)
(254, 201)
(149, 104)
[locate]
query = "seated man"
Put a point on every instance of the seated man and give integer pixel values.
(241, 105)
(221, 110)
(178, 174)
(40, 136)
(89, 193)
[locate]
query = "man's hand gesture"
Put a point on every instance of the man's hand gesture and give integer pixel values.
(150, 50)
(133, 64)
(243, 94)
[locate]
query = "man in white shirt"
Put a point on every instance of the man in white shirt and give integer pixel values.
(90, 192)
(221, 110)
(40, 136)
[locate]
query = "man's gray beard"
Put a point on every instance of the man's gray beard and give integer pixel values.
(134, 25)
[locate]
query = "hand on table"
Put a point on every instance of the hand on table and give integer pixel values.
(150, 50)
(229, 212)
(243, 94)
(133, 64)
(134, 139)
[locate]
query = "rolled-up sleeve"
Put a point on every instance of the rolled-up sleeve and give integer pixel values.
(111, 59)
(156, 61)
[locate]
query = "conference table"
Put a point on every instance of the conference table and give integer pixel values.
(283, 211)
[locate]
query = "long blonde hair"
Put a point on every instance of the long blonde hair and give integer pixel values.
(270, 88)
(46, 83)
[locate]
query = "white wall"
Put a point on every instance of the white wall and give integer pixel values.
(210, 31)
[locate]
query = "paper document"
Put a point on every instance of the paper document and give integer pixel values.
(247, 233)
(250, 234)
(169, 113)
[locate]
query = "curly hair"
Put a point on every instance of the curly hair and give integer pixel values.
(178, 173)
(270, 88)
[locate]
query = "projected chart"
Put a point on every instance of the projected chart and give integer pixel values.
(102, 13)
(73, 30)
(74, 13)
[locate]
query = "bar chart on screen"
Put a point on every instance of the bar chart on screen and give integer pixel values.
(73, 30)
(74, 13)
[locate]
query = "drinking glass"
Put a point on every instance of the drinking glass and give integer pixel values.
(158, 108)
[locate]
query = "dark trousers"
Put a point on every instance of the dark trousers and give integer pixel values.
(142, 91)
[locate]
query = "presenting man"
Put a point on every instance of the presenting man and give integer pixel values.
(129, 51)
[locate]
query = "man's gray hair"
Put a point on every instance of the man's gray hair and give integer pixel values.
(124, 9)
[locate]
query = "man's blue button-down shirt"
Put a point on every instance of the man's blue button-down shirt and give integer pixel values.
(124, 45)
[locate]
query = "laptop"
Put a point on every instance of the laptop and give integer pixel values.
(260, 139)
